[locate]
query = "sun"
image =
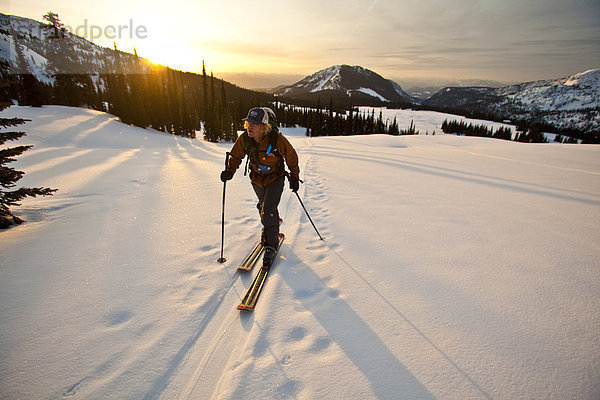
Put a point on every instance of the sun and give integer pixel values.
(174, 54)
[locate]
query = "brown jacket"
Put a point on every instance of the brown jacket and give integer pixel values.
(246, 145)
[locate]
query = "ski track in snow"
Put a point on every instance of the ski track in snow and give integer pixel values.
(452, 268)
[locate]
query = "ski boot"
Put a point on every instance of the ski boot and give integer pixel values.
(268, 257)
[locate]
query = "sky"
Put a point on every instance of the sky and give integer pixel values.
(282, 41)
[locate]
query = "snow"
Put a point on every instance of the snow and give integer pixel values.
(371, 93)
(452, 267)
(576, 92)
(91, 59)
(587, 78)
(402, 93)
(427, 122)
(36, 63)
(327, 79)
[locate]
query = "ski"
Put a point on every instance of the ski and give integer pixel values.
(249, 301)
(249, 262)
(254, 255)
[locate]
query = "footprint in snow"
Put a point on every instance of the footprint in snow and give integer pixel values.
(298, 333)
(118, 317)
(319, 345)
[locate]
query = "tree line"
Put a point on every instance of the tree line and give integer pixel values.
(533, 121)
(338, 121)
(525, 132)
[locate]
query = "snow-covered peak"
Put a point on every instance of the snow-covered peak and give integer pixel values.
(327, 79)
(29, 46)
(365, 85)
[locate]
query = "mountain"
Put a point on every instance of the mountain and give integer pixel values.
(566, 104)
(347, 85)
(421, 88)
(30, 46)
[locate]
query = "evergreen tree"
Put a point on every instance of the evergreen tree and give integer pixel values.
(330, 121)
(173, 100)
(205, 112)
(72, 86)
(229, 130)
(394, 129)
(140, 99)
(503, 133)
(54, 23)
(558, 139)
(120, 104)
(9, 176)
(369, 126)
(349, 123)
(411, 129)
(379, 125)
(210, 125)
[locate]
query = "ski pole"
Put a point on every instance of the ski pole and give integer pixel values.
(302, 204)
(308, 215)
(222, 259)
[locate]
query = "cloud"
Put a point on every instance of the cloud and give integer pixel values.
(559, 43)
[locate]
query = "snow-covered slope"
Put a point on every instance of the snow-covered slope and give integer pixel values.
(452, 268)
(343, 81)
(40, 56)
(576, 92)
(567, 103)
(35, 63)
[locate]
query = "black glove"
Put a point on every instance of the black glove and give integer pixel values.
(226, 175)
(294, 183)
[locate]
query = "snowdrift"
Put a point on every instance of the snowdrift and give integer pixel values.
(452, 267)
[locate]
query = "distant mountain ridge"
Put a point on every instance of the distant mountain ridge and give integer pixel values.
(570, 103)
(421, 89)
(347, 84)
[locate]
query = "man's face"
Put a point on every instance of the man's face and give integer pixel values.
(254, 131)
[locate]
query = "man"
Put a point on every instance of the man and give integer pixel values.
(266, 149)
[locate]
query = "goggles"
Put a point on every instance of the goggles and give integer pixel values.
(247, 124)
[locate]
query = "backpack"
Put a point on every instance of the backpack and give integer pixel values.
(251, 149)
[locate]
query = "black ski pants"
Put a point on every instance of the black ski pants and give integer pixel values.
(268, 201)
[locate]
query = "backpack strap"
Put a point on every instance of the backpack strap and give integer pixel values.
(273, 142)
(250, 147)
(273, 134)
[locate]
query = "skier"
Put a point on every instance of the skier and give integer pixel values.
(266, 149)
